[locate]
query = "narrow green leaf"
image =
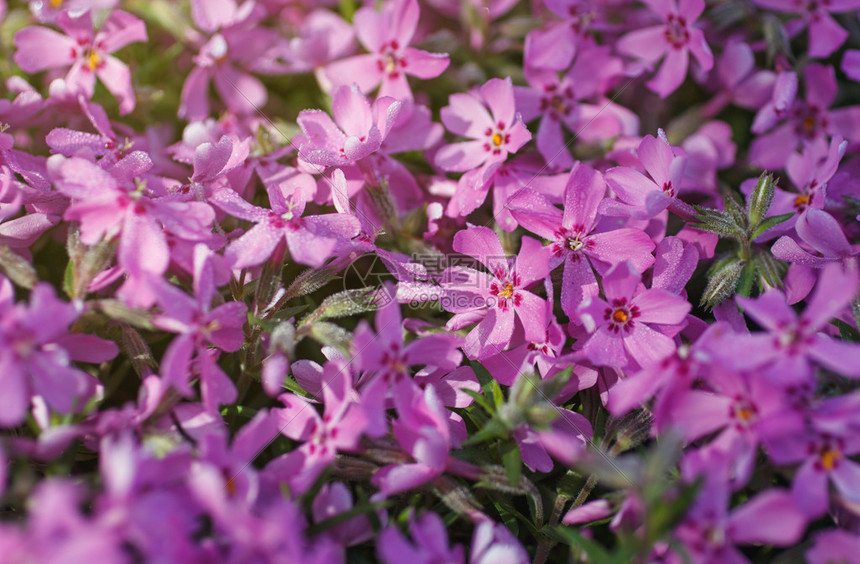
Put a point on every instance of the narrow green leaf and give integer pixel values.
(747, 280)
(498, 396)
(512, 461)
(69, 280)
(596, 554)
(344, 304)
(769, 222)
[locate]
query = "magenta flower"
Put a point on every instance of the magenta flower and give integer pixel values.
(199, 325)
(792, 343)
(494, 133)
(649, 196)
(807, 121)
(36, 354)
(119, 202)
(387, 356)
(825, 35)
(310, 239)
(824, 459)
(554, 45)
(560, 101)
(672, 41)
(710, 532)
(357, 131)
(386, 34)
(339, 429)
(576, 241)
(87, 53)
(498, 298)
(429, 543)
(621, 326)
(239, 46)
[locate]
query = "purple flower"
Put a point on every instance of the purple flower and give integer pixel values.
(497, 298)
(621, 326)
(386, 34)
(429, 543)
(310, 239)
(240, 45)
(322, 436)
(673, 40)
(825, 35)
(489, 118)
(37, 351)
(88, 53)
(357, 131)
(806, 121)
(649, 196)
(577, 242)
(791, 342)
(560, 101)
(198, 326)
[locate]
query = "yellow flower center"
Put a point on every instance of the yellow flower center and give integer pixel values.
(93, 59)
(56, 3)
(507, 291)
(497, 139)
(390, 63)
(745, 413)
(829, 457)
(620, 315)
(801, 200)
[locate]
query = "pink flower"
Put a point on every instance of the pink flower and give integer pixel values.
(498, 298)
(494, 133)
(825, 35)
(39, 48)
(673, 40)
(387, 34)
(621, 326)
(357, 131)
(310, 239)
(649, 196)
(576, 240)
(197, 325)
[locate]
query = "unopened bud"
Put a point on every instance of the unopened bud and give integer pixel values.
(722, 282)
(760, 199)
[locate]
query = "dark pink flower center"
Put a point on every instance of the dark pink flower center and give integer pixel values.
(505, 288)
(390, 62)
(621, 315)
(676, 31)
(496, 138)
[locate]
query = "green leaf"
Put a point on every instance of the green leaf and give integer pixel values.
(308, 282)
(69, 280)
(344, 304)
(747, 280)
(494, 429)
(769, 222)
(717, 221)
(329, 334)
(498, 396)
(770, 269)
(596, 554)
(17, 268)
(846, 332)
(481, 400)
(356, 511)
(512, 461)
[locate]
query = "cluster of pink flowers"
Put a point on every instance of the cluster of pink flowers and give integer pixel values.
(430, 281)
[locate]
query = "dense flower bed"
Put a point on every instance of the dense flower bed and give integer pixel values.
(429, 281)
